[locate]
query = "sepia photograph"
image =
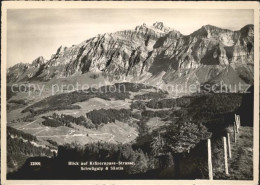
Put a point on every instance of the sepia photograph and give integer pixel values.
(140, 91)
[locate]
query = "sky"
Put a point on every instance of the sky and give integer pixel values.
(32, 33)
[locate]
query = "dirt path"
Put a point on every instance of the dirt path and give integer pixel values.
(23, 127)
(80, 135)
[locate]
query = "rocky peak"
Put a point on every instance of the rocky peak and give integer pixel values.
(247, 30)
(161, 26)
(19, 65)
(60, 50)
(157, 27)
(141, 27)
(38, 61)
(210, 27)
(210, 31)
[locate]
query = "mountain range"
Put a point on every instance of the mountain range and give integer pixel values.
(154, 54)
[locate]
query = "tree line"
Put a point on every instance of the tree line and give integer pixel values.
(17, 133)
(108, 115)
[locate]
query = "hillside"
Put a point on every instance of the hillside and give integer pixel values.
(133, 118)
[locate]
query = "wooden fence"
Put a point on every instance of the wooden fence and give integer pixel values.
(226, 140)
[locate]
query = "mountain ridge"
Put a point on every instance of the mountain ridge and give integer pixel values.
(144, 52)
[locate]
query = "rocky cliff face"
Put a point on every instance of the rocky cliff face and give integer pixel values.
(149, 52)
(25, 72)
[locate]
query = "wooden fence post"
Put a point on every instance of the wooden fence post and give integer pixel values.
(225, 155)
(236, 126)
(235, 133)
(229, 146)
(237, 120)
(210, 161)
(239, 123)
